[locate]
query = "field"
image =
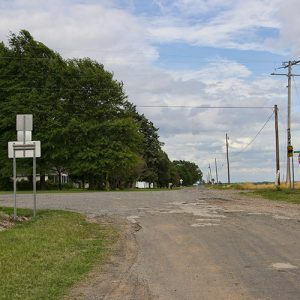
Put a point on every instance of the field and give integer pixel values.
(267, 191)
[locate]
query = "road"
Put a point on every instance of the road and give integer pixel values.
(191, 244)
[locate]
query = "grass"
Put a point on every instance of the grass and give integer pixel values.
(253, 186)
(286, 195)
(266, 190)
(42, 258)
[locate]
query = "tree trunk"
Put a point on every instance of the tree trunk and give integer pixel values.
(92, 185)
(42, 180)
(59, 180)
(107, 185)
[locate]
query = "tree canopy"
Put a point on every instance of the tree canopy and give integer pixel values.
(87, 126)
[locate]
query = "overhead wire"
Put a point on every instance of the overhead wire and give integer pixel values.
(162, 55)
(296, 89)
(204, 107)
(254, 138)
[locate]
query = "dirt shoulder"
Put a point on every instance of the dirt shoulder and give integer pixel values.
(242, 200)
(115, 279)
(7, 221)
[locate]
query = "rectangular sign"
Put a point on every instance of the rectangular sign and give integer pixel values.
(24, 150)
(24, 122)
(20, 136)
(290, 151)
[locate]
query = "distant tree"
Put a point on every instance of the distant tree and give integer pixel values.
(189, 172)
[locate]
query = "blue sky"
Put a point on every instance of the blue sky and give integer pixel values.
(185, 52)
(178, 56)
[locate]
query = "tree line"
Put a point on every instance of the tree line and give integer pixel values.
(82, 116)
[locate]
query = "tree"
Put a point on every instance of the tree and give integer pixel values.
(30, 81)
(83, 118)
(189, 172)
(80, 113)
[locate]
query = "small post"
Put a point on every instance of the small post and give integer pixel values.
(24, 132)
(293, 173)
(34, 182)
(15, 184)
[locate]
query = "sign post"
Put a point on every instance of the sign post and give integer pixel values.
(24, 148)
(15, 185)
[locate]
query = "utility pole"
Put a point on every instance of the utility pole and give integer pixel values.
(210, 173)
(228, 172)
(289, 75)
(216, 171)
(277, 181)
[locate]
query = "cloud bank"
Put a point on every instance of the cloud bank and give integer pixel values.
(126, 36)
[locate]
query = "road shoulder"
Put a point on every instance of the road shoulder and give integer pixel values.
(115, 279)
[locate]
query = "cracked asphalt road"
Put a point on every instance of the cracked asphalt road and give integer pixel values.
(196, 243)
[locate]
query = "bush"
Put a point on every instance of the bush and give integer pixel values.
(6, 184)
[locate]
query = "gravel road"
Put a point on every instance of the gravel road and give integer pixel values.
(190, 244)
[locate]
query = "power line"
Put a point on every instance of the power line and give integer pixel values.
(162, 55)
(258, 133)
(205, 107)
(296, 89)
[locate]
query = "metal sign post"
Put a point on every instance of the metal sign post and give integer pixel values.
(24, 148)
(34, 183)
(15, 185)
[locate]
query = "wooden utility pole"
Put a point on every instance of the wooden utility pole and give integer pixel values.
(228, 171)
(216, 171)
(277, 182)
(289, 139)
(289, 75)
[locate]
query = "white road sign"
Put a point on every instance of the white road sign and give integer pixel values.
(24, 123)
(20, 136)
(24, 150)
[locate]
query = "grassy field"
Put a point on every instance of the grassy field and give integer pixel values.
(286, 195)
(253, 186)
(43, 257)
(267, 191)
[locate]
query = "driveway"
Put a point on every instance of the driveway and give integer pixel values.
(193, 243)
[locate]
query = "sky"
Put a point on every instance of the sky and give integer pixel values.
(207, 53)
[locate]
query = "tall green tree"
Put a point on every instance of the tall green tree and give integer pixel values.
(80, 112)
(29, 84)
(83, 118)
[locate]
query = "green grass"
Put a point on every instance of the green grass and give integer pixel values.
(23, 211)
(292, 196)
(42, 258)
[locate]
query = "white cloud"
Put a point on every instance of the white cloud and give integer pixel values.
(216, 70)
(288, 15)
(124, 43)
(235, 27)
(96, 30)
